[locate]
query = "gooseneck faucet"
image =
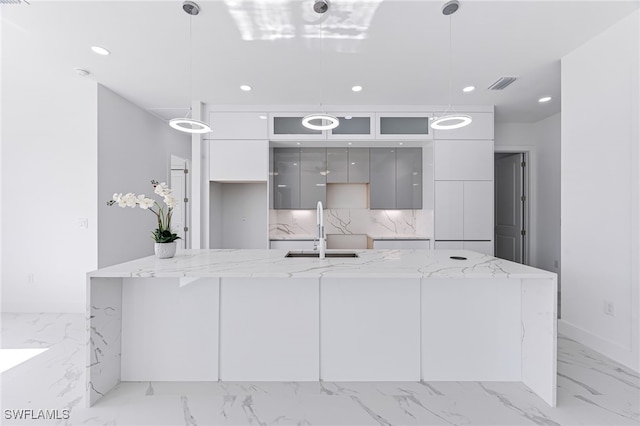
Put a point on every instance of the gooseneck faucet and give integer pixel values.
(322, 242)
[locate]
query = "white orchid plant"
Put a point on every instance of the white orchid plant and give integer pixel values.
(163, 233)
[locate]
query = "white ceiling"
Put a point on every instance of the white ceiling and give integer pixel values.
(397, 50)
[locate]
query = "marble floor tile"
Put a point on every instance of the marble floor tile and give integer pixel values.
(592, 390)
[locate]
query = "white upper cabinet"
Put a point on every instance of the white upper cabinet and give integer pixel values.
(288, 126)
(238, 125)
(404, 126)
(481, 127)
(353, 126)
(239, 160)
(463, 159)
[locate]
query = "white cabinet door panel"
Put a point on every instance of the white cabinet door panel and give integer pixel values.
(370, 329)
(269, 329)
(481, 127)
(478, 210)
(238, 125)
(463, 160)
(239, 161)
(449, 210)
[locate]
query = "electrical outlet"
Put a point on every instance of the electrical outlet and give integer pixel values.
(83, 223)
(31, 278)
(609, 308)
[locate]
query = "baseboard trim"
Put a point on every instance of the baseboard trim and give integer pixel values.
(607, 348)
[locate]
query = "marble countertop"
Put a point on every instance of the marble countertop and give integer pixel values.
(309, 237)
(371, 263)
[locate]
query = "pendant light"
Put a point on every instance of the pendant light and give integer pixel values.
(187, 124)
(450, 119)
(322, 120)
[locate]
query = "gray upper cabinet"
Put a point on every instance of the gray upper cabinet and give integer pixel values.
(348, 165)
(353, 126)
(409, 178)
(313, 177)
(404, 126)
(382, 178)
(338, 171)
(395, 178)
(286, 176)
(358, 165)
(289, 126)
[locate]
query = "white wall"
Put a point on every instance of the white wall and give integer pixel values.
(134, 147)
(49, 176)
(600, 191)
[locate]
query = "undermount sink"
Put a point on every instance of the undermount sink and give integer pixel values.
(316, 254)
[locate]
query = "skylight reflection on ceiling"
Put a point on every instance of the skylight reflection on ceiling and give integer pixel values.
(286, 19)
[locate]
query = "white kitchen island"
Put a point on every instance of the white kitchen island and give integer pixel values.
(388, 315)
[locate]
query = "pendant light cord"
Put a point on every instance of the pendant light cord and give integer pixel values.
(450, 63)
(321, 64)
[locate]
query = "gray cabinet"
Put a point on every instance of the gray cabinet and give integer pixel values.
(289, 126)
(286, 177)
(299, 177)
(382, 178)
(395, 178)
(313, 177)
(348, 165)
(409, 178)
(338, 170)
(358, 164)
(400, 126)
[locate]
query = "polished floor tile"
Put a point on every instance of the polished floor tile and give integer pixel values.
(592, 390)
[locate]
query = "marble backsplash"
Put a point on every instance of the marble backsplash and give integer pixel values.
(352, 221)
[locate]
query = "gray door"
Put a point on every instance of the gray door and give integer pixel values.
(313, 177)
(509, 211)
(382, 174)
(286, 168)
(409, 178)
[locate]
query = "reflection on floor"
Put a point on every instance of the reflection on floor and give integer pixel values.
(592, 390)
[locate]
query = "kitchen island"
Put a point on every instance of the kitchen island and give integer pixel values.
(387, 315)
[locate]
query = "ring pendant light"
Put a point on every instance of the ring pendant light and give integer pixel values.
(187, 124)
(450, 119)
(322, 120)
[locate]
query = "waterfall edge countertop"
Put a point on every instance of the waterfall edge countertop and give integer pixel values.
(370, 263)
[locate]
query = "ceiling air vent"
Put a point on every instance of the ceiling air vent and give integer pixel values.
(14, 2)
(502, 82)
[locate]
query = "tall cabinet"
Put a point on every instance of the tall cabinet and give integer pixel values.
(463, 195)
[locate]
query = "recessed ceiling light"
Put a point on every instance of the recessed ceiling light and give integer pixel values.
(82, 72)
(469, 89)
(349, 143)
(298, 143)
(544, 99)
(100, 50)
(263, 117)
(357, 88)
(401, 143)
(245, 88)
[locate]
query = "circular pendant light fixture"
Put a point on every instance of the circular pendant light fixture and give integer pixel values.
(186, 124)
(322, 120)
(189, 125)
(450, 119)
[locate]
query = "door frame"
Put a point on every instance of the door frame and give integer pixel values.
(187, 214)
(530, 206)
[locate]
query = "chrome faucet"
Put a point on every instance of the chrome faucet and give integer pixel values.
(322, 242)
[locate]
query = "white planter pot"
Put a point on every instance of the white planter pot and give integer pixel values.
(165, 250)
